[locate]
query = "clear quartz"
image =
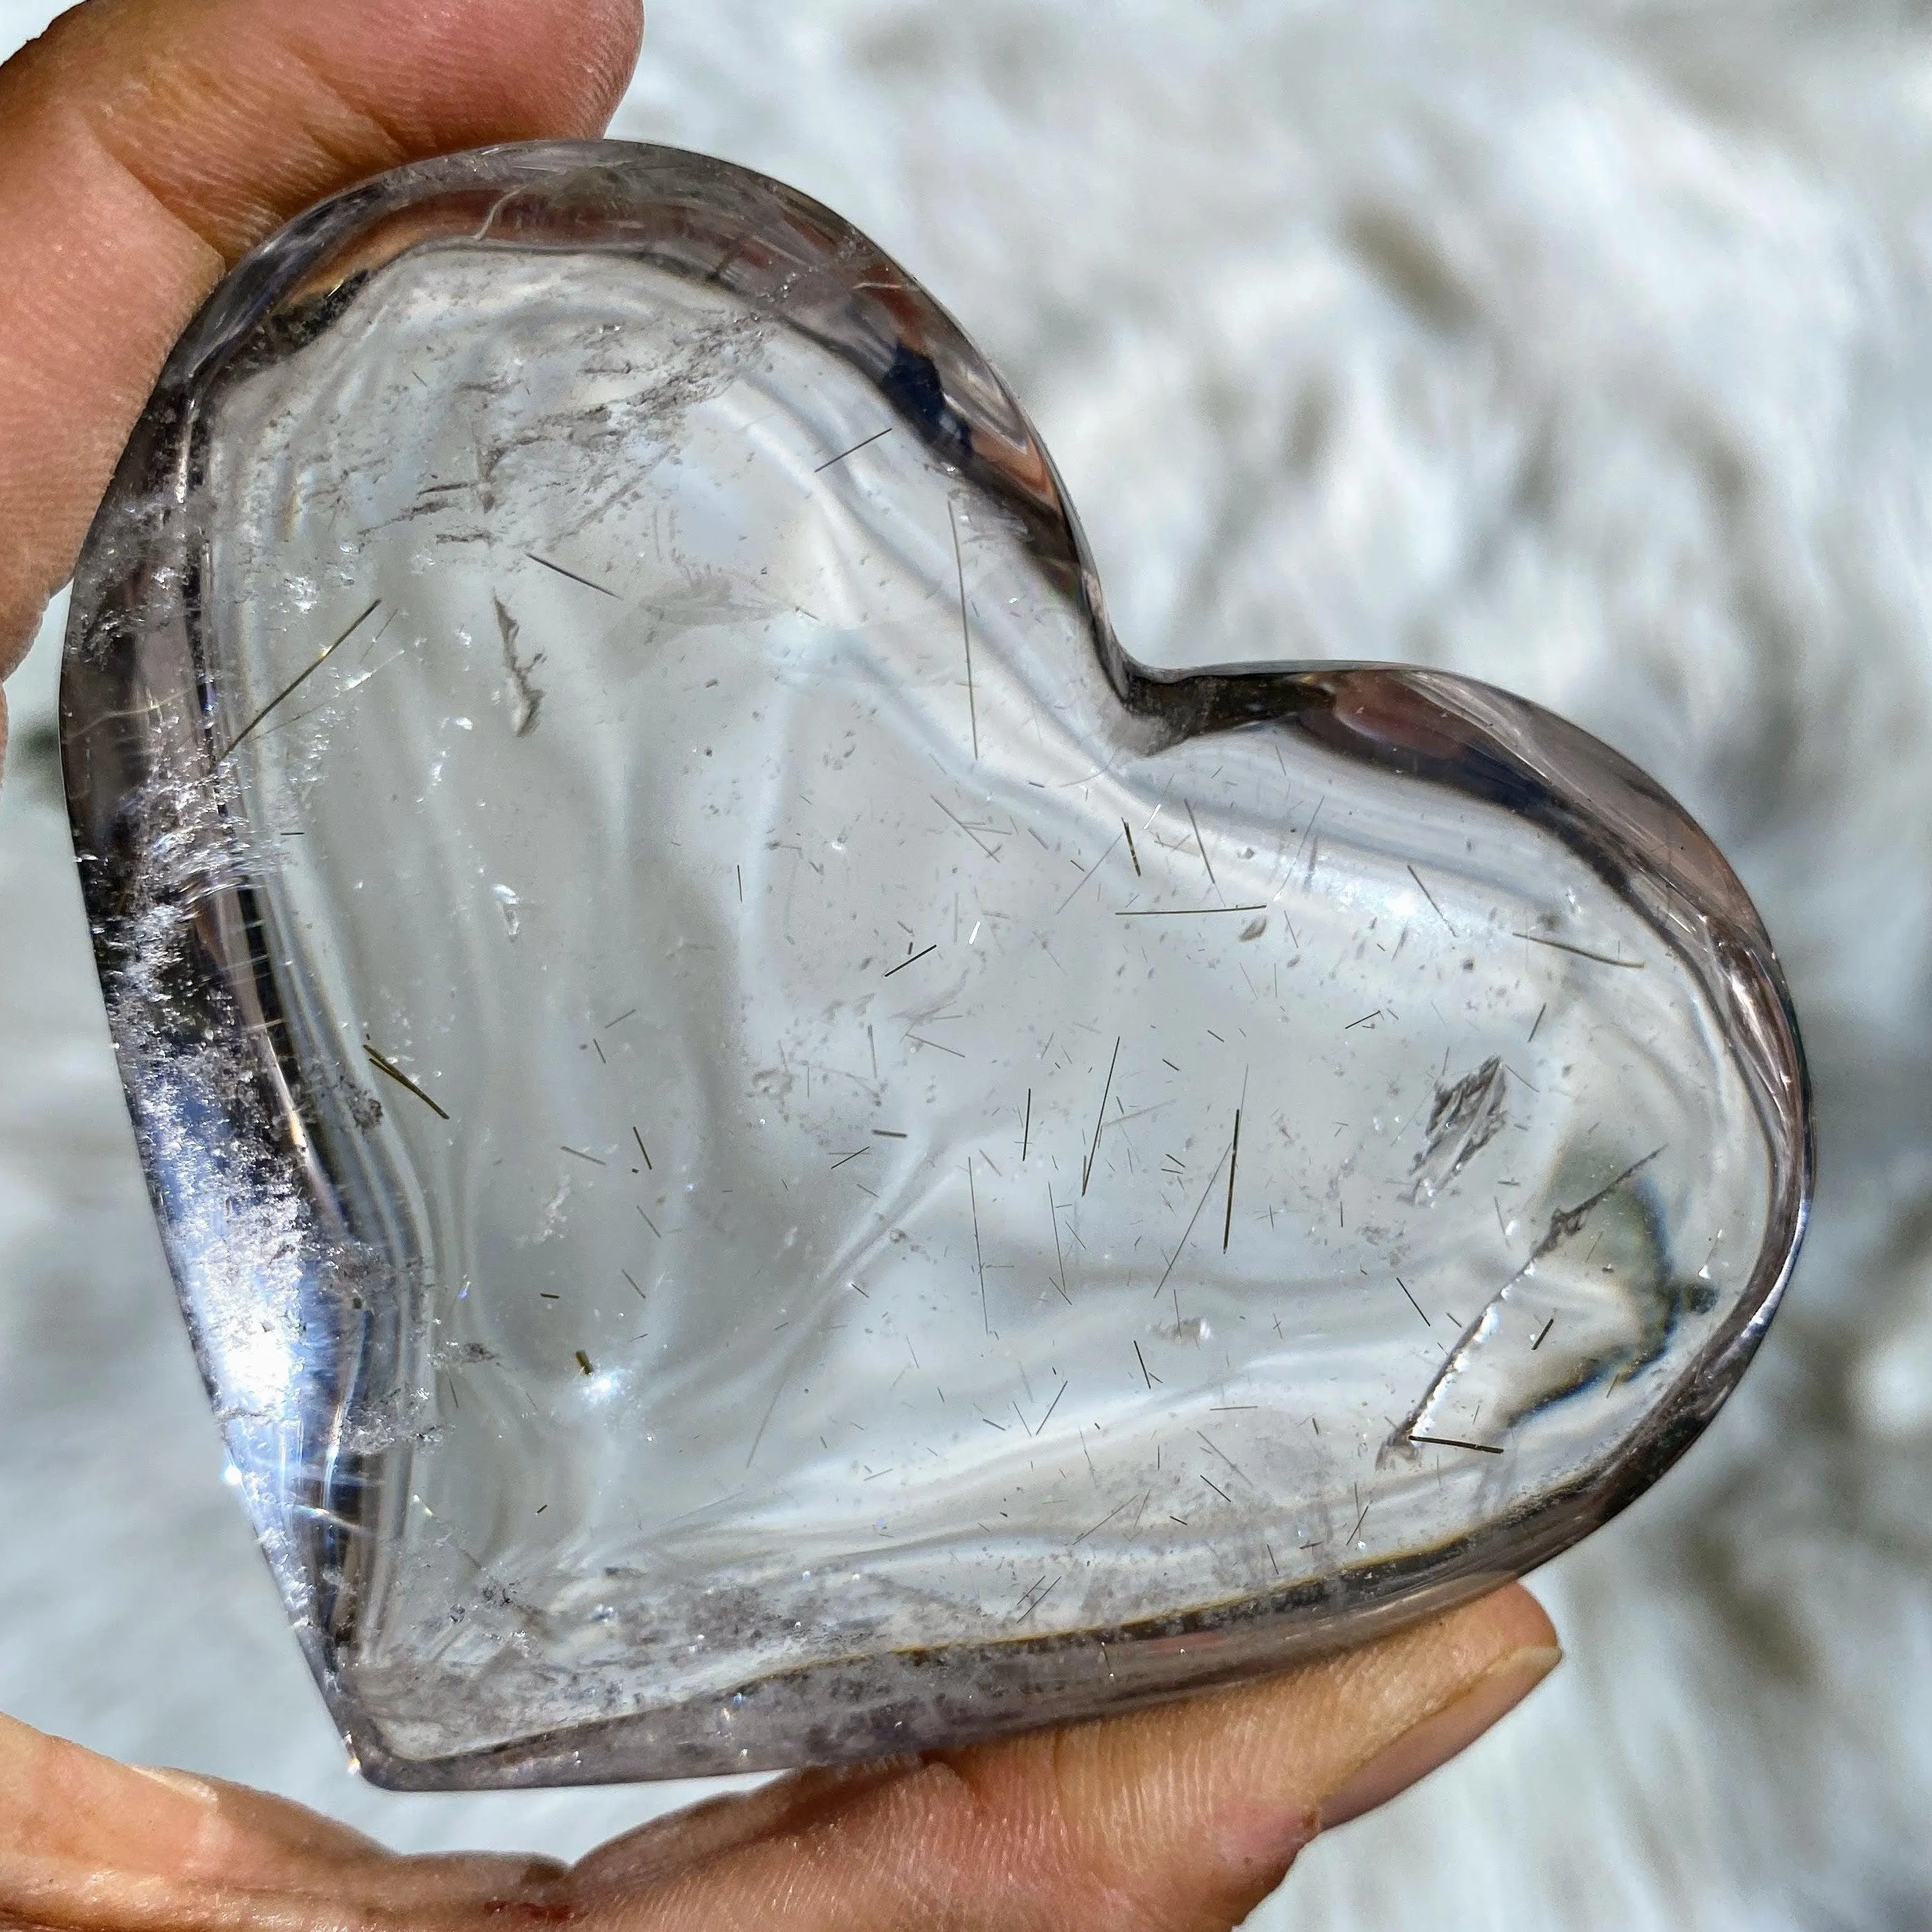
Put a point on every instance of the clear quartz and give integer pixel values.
(773, 1151)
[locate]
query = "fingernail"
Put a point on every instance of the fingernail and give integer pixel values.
(1427, 1746)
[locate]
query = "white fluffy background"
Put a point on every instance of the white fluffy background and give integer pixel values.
(1585, 347)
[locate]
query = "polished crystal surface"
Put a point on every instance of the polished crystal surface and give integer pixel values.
(773, 1152)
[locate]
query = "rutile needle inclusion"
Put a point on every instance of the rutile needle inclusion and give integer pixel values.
(775, 1152)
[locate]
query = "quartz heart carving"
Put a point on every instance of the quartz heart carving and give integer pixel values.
(775, 1152)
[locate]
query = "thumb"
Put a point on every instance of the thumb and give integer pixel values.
(1177, 1819)
(146, 144)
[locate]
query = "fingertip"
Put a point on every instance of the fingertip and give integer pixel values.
(1430, 1743)
(459, 73)
(145, 145)
(616, 40)
(1206, 1804)
(1518, 1618)
(1384, 1716)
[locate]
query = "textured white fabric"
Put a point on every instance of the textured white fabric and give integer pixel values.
(1584, 347)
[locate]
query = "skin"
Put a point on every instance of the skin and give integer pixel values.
(145, 145)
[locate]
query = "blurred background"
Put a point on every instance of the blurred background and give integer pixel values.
(1584, 347)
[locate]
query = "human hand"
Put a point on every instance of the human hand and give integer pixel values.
(144, 145)
(1175, 1819)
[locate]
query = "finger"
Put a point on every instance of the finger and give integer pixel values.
(85, 1841)
(1167, 1820)
(682, 1840)
(146, 144)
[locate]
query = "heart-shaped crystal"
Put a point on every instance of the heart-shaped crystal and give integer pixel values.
(774, 1153)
